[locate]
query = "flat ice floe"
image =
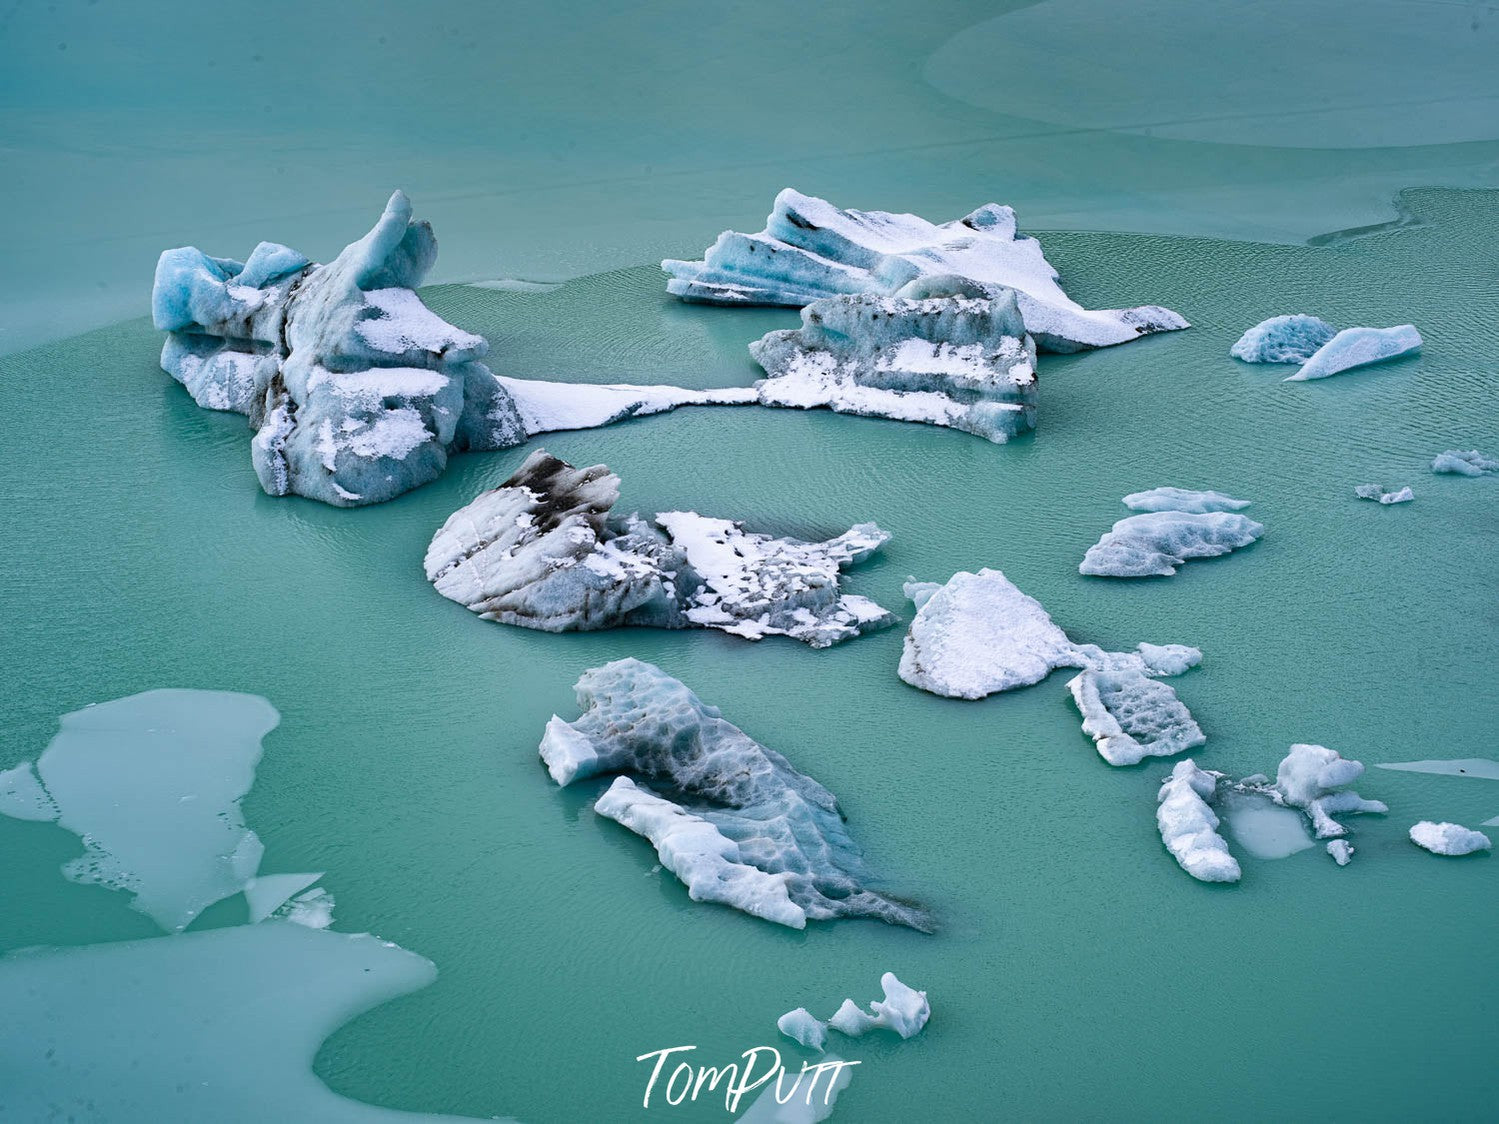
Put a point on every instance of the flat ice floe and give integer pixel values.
(545, 551)
(1379, 493)
(1471, 462)
(1358, 347)
(979, 634)
(1481, 767)
(1189, 827)
(1156, 542)
(1265, 829)
(811, 249)
(942, 351)
(1283, 339)
(1448, 838)
(741, 827)
(356, 390)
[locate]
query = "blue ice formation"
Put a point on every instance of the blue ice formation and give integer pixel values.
(544, 551)
(1283, 339)
(1358, 347)
(740, 825)
(1176, 525)
(811, 249)
(1459, 462)
(943, 350)
(356, 390)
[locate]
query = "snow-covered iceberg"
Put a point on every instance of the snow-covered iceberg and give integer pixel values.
(1448, 838)
(1358, 347)
(943, 350)
(811, 249)
(356, 390)
(979, 634)
(1283, 339)
(741, 827)
(1469, 462)
(1189, 826)
(545, 551)
(904, 1010)
(1156, 542)
(1380, 494)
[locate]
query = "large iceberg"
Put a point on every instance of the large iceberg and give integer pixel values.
(1156, 542)
(1358, 347)
(1382, 495)
(1189, 827)
(811, 249)
(1448, 838)
(979, 634)
(1283, 339)
(356, 390)
(1459, 462)
(741, 826)
(943, 351)
(545, 551)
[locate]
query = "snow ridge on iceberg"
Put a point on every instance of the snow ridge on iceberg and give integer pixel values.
(737, 824)
(811, 249)
(943, 351)
(356, 390)
(545, 551)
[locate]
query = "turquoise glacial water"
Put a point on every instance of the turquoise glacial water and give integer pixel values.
(1077, 972)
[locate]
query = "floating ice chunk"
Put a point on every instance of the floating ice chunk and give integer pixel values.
(1131, 716)
(217, 1025)
(1165, 659)
(1377, 492)
(1448, 838)
(1358, 347)
(1189, 827)
(1341, 851)
(1265, 829)
(809, 1099)
(357, 391)
(744, 827)
(268, 893)
(903, 1010)
(943, 351)
(1283, 339)
(1460, 463)
(1157, 542)
(1481, 767)
(810, 249)
(152, 784)
(1314, 779)
(544, 551)
(800, 1026)
(1182, 499)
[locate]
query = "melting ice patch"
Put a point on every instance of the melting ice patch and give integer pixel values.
(740, 825)
(545, 551)
(811, 249)
(1265, 829)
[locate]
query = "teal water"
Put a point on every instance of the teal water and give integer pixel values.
(1078, 973)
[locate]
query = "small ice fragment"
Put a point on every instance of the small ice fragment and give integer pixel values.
(268, 892)
(1341, 851)
(1378, 492)
(903, 1010)
(1448, 838)
(801, 1027)
(1470, 463)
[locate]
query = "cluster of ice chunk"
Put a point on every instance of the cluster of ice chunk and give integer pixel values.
(741, 827)
(152, 785)
(942, 350)
(1319, 349)
(1189, 827)
(1448, 838)
(1459, 462)
(903, 1010)
(545, 551)
(1175, 525)
(1379, 493)
(811, 249)
(356, 390)
(979, 634)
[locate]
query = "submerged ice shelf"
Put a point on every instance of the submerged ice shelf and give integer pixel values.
(979, 634)
(811, 249)
(356, 390)
(1174, 527)
(544, 550)
(741, 826)
(942, 350)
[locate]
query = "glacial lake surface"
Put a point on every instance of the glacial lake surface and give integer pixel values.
(1077, 972)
